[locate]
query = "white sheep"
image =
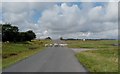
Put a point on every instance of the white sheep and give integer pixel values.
(51, 45)
(46, 45)
(62, 45)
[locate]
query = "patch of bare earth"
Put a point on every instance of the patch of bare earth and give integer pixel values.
(76, 50)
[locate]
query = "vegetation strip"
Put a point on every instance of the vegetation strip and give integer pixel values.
(14, 52)
(104, 59)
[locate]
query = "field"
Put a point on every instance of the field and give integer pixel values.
(14, 52)
(0, 56)
(104, 59)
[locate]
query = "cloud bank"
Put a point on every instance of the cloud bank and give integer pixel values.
(69, 20)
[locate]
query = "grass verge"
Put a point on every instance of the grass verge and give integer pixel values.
(14, 52)
(105, 59)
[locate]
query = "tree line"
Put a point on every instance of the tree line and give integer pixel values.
(12, 34)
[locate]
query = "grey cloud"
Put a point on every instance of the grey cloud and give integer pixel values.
(71, 22)
(64, 20)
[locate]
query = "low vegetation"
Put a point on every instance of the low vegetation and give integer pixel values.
(0, 56)
(14, 52)
(104, 59)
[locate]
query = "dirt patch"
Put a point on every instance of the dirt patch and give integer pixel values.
(8, 55)
(3, 57)
(13, 54)
(32, 48)
(76, 50)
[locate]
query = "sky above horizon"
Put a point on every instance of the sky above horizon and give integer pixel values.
(63, 19)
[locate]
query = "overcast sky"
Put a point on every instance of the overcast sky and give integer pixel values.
(63, 19)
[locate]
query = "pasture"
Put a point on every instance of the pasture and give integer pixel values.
(14, 52)
(104, 59)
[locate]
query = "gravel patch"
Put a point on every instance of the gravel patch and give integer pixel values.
(76, 50)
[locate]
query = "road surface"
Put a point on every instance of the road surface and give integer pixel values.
(52, 59)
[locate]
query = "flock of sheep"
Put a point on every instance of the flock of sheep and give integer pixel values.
(56, 45)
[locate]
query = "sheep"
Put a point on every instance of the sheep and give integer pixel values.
(56, 45)
(46, 45)
(62, 45)
(50, 45)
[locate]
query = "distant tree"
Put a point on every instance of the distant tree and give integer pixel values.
(26, 36)
(0, 32)
(48, 38)
(0, 28)
(30, 35)
(22, 36)
(9, 33)
(12, 34)
(61, 38)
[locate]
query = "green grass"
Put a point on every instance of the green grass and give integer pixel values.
(105, 59)
(14, 52)
(0, 56)
(90, 43)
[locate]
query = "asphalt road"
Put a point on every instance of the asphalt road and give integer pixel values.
(52, 59)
